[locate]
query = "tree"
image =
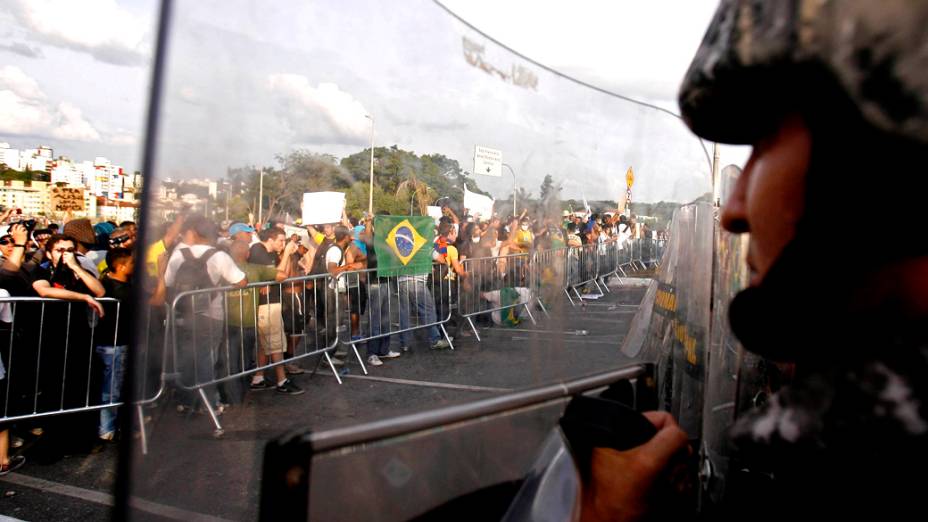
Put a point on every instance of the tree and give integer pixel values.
(422, 192)
(357, 195)
(399, 175)
(548, 190)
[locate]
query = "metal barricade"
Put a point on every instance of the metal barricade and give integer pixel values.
(550, 269)
(379, 307)
(221, 335)
(150, 362)
(659, 251)
(635, 249)
(607, 262)
(58, 357)
(582, 269)
(489, 274)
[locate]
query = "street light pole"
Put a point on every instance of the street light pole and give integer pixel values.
(261, 198)
(514, 211)
(370, 201)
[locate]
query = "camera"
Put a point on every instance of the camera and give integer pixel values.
(29, 224)
(117, 241)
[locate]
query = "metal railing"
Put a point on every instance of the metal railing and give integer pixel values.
(206, 342)
(220, 335)
(380, 307)
(583, 269)
(495, 274)
(550, 276)
(50, 361)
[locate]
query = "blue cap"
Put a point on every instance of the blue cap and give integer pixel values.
(240, 227)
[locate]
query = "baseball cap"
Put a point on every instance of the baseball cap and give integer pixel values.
(240, 227)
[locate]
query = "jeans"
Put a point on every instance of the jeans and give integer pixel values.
(242, 350)
(425, 305)
(113, 360)
(197, 350)
(378, 319)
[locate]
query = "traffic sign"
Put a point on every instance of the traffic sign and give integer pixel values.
(487, 161)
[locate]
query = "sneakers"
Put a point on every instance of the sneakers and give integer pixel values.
(391, 355)
(261, 385)
(337, 361)
(373, 360)
(293, 369)
(109, 436)
(16, 442)
(441, 344)
(404, 348)
(288, 388)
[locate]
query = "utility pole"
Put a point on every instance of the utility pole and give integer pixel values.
(370, 201)
(261, 199)
(716, 181)
(515, 212)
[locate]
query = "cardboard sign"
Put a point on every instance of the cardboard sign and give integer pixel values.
(477, 204)
(66, 199)
(320, 208)
(434, 213)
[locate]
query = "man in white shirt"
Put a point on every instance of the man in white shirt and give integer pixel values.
(199, 317)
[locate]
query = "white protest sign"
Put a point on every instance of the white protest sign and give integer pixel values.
(487, 161)
(322, 207)
(477, 204)
(434, 213)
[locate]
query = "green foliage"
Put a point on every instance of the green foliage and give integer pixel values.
(7, 173)
(356, 200)
(399, 176)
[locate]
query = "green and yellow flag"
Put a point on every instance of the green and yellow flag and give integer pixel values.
(403, 245)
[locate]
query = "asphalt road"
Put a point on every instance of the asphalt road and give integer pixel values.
(188, 474)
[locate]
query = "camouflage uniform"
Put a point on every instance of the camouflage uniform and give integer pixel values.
(850, 434)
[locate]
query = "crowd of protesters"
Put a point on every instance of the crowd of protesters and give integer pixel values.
(68, 353)
(246, 300)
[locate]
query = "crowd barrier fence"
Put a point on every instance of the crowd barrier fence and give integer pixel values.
(380, 307)
(206, 342)
(495, 274)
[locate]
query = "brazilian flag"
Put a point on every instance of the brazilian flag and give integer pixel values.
(403, 245)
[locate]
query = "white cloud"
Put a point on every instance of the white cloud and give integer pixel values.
(100, 28)
(71, 125)
(25, 110)
(302, 105)
(13, 78)
(123, 138)
(23, 50)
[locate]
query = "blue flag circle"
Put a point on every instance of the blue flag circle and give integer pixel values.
(404, 240)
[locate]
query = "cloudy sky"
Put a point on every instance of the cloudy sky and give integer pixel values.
(248, 80)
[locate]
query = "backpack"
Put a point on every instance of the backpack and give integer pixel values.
(192, 275)
(319, 265)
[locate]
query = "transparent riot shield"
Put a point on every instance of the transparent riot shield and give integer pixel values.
(254, 107)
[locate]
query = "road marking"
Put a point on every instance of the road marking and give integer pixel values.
(106, 499)
(582, 341)
(607, 312)
(613, 304)
(565, 332)
(426, 384)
